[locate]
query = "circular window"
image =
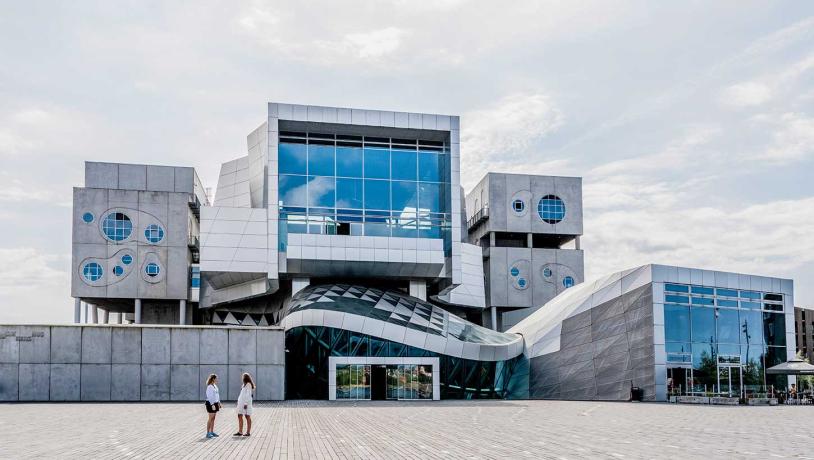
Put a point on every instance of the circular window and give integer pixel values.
(154, 233)
(514, 271)
(92, 271)
(118, 270)
(127, 259)
(518, 206)
(568, 281)
(521, 282)
(547, 272)
(87, 217)
(117, 226)
(152, 269)
(551, 209)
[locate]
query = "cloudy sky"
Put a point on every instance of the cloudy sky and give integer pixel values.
(692, 123)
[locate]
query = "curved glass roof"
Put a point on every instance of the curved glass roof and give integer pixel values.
(396, 308)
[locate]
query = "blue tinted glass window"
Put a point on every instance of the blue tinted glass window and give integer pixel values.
(676, 288)
(727, 292)
(702, 301)
(728, 326)
(349, 161)
(521, 282)
(728, 303)
(320, 160)
(676, 323)
(152, 269)
(567, 282)
(377, 194)
(293, 190)
(117, 226)
(405, 196)
(349, 193)
(751, 327)
(547, 272)
(92, 271)
(431, 197)
(154, 233)
(432, 167)
(118, 270)
(514, 271)
(292, 158)
(751, 305)
(750, 295)
(677, 298)
(405, 224)
(87, 217)
(403, 164)
(321, 191)
(703, 324)
(377, 163)
(127, 259)
(195, 282)
(774, 329)
(551, 209)
(703, 290)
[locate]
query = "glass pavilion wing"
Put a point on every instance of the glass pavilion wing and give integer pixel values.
(395, 308)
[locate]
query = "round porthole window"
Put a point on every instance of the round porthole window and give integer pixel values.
(117, 226)
(518, 206)
(521, 282)
(127, 259)
(152, 269)
(514, 271)
(92, 271)
(118, 270)
(547, 272)
(87, 217)
(551, 209)
(154, 233)
(568, 282)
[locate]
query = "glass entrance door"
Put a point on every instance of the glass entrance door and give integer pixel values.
(409, 381)
(729, 379)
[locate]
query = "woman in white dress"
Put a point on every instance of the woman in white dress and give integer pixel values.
(244, 406)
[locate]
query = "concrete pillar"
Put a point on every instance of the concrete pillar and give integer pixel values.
(137, 315)
(77, 310)
(491, 239)
(105, 317)
(530, 240)
(494, 318)
(182, 310)
(121, 317)
(418, 289)
(86, 313)
(94, 314)
(298, 284)
(576, 242)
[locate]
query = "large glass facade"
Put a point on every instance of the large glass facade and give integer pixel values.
(308, 349)
(355, 185)
(721, 340)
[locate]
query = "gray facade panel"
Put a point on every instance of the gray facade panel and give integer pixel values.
(184, 382)
(96, 382)
(185, 346)
(96, 345)
(155, 382)
(125, 382)
(9, 379)
(66, 344)
(34, 382)
(155, 346)
(214, 346)
(65, 379)
(126, 345)
(34, 345)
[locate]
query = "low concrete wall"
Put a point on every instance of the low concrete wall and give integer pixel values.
(137, 363)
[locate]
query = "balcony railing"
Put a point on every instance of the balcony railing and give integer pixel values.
(481, 216)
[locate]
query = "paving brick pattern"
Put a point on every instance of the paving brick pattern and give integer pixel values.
(402, 430)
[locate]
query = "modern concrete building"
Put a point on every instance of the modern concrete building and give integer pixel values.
(529, 229)
(804, 332)
(667, 330)
(135, 242)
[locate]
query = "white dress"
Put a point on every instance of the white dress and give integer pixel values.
(245, 399)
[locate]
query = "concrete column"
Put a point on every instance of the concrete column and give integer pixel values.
(105, 317)
(530, 240)
(418, 288)
(137, 315)
(491, 239)
(494, 318)
(182, 310)
(121, 317)
(94, 314)
(576, 242)
(298, 284)
(77, 310)
(86, 313)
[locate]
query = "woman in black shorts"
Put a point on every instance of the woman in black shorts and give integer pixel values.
(212, 404)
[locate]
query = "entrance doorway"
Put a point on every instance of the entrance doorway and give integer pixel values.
(380, 378)
(729, 379)
(379, 382)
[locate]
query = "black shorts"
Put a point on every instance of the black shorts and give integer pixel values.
(212, 408)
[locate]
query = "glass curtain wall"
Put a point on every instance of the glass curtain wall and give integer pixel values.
(353, 381)
(310, 347)
(721, 340)
(355, 185)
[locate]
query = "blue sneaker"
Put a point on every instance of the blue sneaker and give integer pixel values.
(215, 434)
(209, 435)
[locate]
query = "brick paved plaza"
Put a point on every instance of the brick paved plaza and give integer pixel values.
(447, 429)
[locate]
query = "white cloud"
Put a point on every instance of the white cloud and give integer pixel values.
(374, 44)
(32, 289)
(746, 94)
(505, 136)
(792, 139)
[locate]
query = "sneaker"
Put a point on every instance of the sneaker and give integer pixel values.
(209, 435)
(215, 434)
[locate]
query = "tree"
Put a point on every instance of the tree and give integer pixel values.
(804, 382)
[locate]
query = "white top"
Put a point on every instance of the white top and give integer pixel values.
(245, 397)
(212, 394)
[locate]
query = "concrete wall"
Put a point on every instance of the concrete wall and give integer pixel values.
(137, 363)
(603, 351)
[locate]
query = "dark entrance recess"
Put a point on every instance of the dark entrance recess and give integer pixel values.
(378, 390)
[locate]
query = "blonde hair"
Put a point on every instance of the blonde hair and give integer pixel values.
(211, 379)
(247, 378)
